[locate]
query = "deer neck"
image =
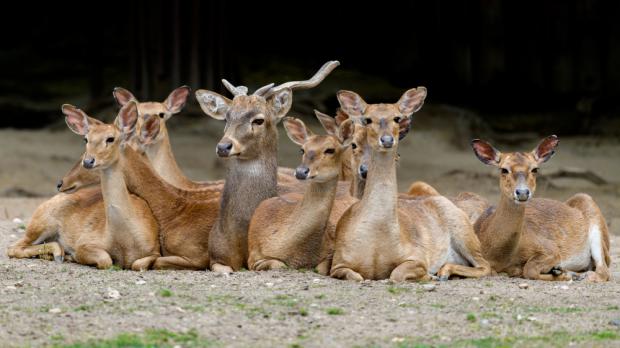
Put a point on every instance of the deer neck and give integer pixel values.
(380, 195)
(356, 189)
(163, 161)
(316, 205)
(115, 195)
(504, 228)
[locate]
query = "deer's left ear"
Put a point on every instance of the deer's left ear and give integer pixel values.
(546, 149)
(213, 104)
(123, 96)
(412, 100)
(296, 130)
(280, 103)
(177, 99)
(77, 120)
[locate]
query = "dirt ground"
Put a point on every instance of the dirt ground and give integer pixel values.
(46, 303)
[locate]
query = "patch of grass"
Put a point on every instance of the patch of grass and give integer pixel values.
(613, 308)
(165, 293)
(335, 311)
(320, 296)
(303, 312)
(471, 317)
(396, 290)
(115, 268)
(83, 308)
(556, 309)
(438, 305)
(284, 300)
(150, 338)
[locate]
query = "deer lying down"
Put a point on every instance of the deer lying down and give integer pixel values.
(382, 236)
(296, 230)
(539, 238)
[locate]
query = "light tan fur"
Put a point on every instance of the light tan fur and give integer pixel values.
(384, 237)
(540, 238)
(296, 230)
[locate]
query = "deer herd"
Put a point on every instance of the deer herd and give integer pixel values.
(127, 203)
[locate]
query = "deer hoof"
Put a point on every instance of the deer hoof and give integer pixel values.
(444, 278)
(556, 271)
(59, 258)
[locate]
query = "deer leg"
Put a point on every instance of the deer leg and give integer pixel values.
(93, 255)
(268, 264)
(323, 267)
(176, 262)
(218, 267)
(464, 271)
(27, 251)
(410, 271)
(539, 267)
(346, 274)
(468, 246)
(144, 263)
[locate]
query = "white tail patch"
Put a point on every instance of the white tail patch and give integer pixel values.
(596, 247)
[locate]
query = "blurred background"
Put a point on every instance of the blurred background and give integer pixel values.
(507, 71)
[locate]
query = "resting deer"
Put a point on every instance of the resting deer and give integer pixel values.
(128, 236)
(383, 237)
(296, 230)
(250, 144)
(539, 238)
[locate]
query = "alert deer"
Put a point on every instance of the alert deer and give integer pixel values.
(539, 238)
(383, 237)
(250, 145)
(296, 230)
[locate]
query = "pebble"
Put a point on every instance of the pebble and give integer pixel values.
(113, 294)
(475, 298)
(615, 322)
(140, 282)
(524, 286)
(429, 287)
(398, 339)
(55, 310)
(316, 280)
(532, 319)
(268, 285)
(18, 221)
(519, 317)
(564, 287)
(484, 322)
(11, 287)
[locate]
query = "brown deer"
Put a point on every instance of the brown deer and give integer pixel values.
(383, 237)
(250, 145)
(296, 230)
(128, 236)
(539, 238)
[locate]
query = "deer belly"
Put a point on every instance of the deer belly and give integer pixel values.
(580, 260)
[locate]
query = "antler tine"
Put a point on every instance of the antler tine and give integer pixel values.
(241, 90)
(261, 91)
(315, 80)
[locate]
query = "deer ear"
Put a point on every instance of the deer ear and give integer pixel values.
(546, 149)
(77, 120)
(346, 131)
(213, 104)
(280, 103)
(412, 100)
(404, 127)
(340, 116)
(329, 123)
(150, 129)
(351, 103)
(177, 99)
(127, 119)
(486, 153)
(296, 130)
(123, 96)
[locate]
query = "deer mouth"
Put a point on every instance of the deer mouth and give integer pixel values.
(68, 189)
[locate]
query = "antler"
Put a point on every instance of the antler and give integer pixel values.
(240, 90)
(320, 75)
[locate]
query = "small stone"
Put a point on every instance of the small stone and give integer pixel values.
(13, 236)
(482, 292)
(55, 310)
(140, 282)
(179, 309)
(11, 287)
(615, 322)
(18, 221)
(532, 319)
(268, 285)
(316, 280)
(524, 286)
(429, 287)
(475, 298)
(484, 322)
(398, 339)
(564, 287)
(519, 317)
(113, 294)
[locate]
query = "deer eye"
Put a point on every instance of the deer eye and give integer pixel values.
(109, 140)
(301, 151)
(534, 170)
(353, 146)
(161, 115)
(505, 171)
(258, 121)
(367, 121)
(330, 151)
(397, 119)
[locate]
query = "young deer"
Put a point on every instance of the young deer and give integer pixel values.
(384, 237)
(296, 230)
(540, 238)
(129, 235)
(250, 143)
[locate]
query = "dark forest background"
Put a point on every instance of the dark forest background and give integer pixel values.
(521, 65)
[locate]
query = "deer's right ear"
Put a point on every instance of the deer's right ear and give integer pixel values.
(213, 104)
(328, 122)
(346, 131)
(123, 96)
(76, 119)
(296, 130)
(351, 103)
(127, 119)
(150, 129)
(486, 153)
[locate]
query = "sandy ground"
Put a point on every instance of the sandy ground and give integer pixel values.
(43, 303)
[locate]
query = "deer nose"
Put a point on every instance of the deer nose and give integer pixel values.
(522, 195)
(59, 184)
(387, 141)
(223, 149)
(89, 162)
(301, 173)
(363, 171)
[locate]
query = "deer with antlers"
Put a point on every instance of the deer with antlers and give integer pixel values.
(250, 145)
(296, 230)
(539, 238)
(382, 236)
